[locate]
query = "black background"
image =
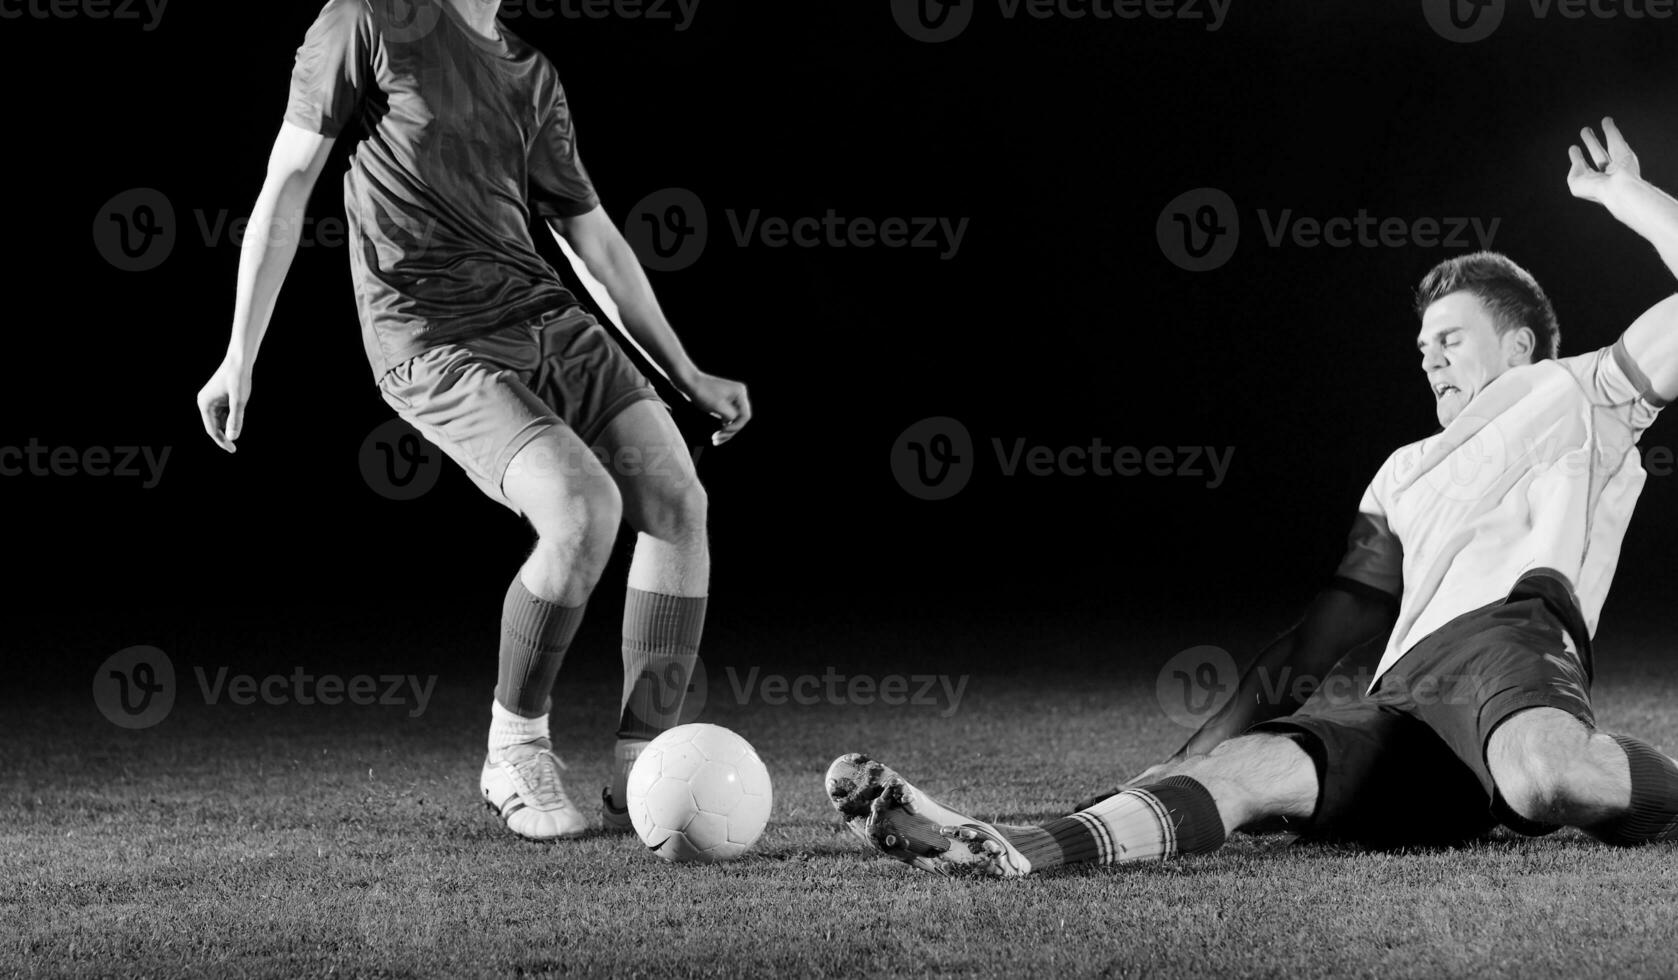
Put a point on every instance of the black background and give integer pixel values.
(1059, 320)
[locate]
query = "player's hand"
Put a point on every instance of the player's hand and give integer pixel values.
(724, 399)
(1609, 167)
(221, 404)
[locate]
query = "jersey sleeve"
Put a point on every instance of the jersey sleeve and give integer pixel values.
(1612, 380)
(334, 68)
(559, 185)
(1374, 561)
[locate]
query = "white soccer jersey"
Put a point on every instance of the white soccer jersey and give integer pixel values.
(1539, 471)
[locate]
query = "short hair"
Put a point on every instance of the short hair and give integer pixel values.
(1510, 292)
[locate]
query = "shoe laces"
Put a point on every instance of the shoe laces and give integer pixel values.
(541, 772)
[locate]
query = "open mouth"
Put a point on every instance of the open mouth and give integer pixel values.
(1443, 388)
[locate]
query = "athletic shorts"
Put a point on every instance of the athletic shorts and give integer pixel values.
(1405, 764)
(484, 399)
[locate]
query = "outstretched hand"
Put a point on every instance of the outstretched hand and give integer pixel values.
(1608, 168)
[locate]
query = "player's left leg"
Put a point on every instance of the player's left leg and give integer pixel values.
(669, 579)
(1553, 769)
(1192, 810)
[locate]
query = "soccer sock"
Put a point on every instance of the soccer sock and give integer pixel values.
(628, 751)
(1173, 816)
(535, 634)
(507, 729)
(1654, 798)
(660, 645)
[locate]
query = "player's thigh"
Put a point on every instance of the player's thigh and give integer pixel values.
(1384, 779)
(647, 456)
(473, 407)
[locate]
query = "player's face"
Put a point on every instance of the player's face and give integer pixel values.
(1462, 351)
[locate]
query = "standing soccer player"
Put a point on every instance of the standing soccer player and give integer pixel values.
(462, 130)
(1484, 553)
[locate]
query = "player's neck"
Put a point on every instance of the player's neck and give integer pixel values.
(479, 15)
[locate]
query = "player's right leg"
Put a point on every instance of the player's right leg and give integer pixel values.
(1191, 810)
(559, 485)
(471, 402)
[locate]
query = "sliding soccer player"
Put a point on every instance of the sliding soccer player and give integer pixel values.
(1484, 552)
(462, 130)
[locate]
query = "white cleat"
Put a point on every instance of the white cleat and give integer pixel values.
(523, 787)
(854, 782)
(902, 822)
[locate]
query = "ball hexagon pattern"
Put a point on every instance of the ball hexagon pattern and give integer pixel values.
(699, 793)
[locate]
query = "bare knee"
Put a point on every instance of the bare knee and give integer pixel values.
(1549, 768)
(582, 520)
(1535, 788)
(674, 513)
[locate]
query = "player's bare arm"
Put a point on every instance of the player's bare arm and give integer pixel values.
(1612, 178)
(270, 244)
(610, 259)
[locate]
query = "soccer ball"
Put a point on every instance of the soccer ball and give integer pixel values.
(698, 793)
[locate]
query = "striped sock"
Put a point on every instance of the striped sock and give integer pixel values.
(1173, 816)
(660, 645)
(535, 634)
(1654, 799)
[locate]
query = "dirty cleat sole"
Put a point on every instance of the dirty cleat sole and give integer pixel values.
(902, 822)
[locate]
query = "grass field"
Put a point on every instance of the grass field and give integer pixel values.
(307, 841)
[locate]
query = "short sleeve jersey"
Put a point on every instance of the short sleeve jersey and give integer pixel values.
(460, 138)
(1539, 472)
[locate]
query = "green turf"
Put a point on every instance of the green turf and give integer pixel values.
(349, 842)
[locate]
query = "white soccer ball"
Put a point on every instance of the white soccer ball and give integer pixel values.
(699, 793)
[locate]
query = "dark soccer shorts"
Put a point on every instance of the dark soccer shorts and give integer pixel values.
(484, 399)
(1405, 764)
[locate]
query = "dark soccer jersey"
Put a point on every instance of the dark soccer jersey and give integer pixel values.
(459, 137)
